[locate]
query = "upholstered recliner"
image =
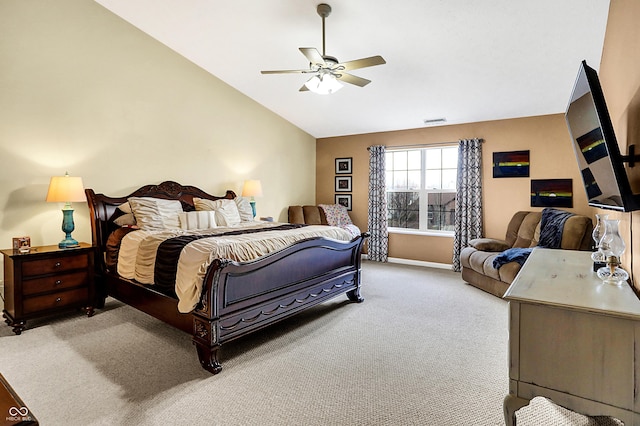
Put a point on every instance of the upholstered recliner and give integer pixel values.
(323, 214)
(311, 215)
(523, 231)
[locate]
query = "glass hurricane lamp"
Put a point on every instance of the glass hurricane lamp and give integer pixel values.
(612, 246)
(597, 234)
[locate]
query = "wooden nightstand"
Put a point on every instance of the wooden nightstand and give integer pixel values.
(45, 281)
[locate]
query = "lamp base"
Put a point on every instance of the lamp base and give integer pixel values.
(68, 243)
(67, 227)
(613, 276)
(253, 207)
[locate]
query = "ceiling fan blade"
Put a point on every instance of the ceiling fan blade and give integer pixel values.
(362, 63)
(313, 55)
(285, 72)
(352, 79)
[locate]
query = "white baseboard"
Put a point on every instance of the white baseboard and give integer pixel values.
(416, 263)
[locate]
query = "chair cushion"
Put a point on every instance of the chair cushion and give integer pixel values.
(296, 214)
(577, 231)
(489, 244)
(312, 215)
(527, 231)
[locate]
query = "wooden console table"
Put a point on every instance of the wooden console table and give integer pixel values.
(572, 339)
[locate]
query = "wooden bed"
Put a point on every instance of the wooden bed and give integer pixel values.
(237, 298)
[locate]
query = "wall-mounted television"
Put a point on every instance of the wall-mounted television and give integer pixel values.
(594, 142)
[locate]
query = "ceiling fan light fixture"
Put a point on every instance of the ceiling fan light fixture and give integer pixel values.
(324, 84)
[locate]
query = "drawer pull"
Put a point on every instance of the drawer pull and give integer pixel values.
(57, 265)
(59, 299)
(57, 283)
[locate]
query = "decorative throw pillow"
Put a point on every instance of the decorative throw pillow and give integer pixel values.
(336, 214)
(125, 207)
(244, 208)
(156, 213)
(226, 210)
(197, 220)
(127, 219)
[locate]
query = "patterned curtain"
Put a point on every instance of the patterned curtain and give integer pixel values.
(468, 217)
(378, 246)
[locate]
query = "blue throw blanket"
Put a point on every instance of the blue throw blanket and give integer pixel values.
(517, 254)
(551, 227)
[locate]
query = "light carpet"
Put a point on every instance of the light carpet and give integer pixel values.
(423, 349)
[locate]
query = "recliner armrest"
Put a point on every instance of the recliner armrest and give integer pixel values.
(489, 244)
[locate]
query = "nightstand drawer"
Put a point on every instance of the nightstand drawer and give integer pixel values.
(55, 300)
(59, 264)
(54, 282)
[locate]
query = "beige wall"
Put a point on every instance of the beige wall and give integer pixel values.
(551, 156)
(620, 78)
(84, 91)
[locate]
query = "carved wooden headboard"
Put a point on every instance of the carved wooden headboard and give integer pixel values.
(103, 209)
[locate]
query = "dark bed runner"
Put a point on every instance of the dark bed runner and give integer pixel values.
(168, 253)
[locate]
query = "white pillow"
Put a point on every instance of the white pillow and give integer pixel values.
(156, 213)
(226, 210)
(244, 208)
(197, 220)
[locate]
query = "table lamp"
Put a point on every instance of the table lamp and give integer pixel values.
(66, 189)
(252, 188)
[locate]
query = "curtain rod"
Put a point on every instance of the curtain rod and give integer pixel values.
(422, 145)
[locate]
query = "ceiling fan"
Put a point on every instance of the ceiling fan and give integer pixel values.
(327, 70)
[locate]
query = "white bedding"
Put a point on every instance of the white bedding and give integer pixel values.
(136, 258)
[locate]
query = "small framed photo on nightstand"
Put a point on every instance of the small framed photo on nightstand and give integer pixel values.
(344, 200)
(22, 244)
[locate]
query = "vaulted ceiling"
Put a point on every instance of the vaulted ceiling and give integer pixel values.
(461, 60)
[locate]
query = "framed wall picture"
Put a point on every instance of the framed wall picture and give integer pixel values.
(511, 164)
(343, 165)
(552, 193)
(344, 200)
(343, 183)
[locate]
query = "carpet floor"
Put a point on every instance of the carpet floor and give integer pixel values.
(423, 349)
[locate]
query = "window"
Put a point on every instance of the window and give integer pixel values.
(421, 188)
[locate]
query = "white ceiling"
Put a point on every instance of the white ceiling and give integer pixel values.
(463, 60)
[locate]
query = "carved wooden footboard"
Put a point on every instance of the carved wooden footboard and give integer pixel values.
(240, 298)
(237, 298)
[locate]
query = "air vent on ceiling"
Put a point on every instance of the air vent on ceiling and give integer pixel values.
(434, 121)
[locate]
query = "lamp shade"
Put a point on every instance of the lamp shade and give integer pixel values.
(66, 189)
(252, 188)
